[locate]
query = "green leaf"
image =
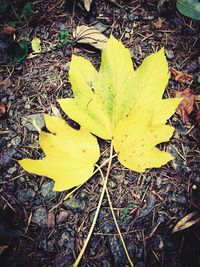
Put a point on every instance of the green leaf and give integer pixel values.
(27, 11)
(23, 51)
(189, 8)
(64, 36)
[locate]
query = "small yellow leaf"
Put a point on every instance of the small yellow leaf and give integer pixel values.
(70, 154)
(36, 45)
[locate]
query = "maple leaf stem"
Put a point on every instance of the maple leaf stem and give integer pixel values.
(98, 208)
(115, 220)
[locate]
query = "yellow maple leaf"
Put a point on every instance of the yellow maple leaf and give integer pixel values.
(124, 105)
(115, 103)
(70, 154)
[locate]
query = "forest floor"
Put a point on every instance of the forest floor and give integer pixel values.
(38, 228)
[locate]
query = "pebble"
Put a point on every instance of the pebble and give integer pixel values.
(108, 227)
(101, 27)
(12, 170)
(127, 35)
(133, 17)
(177, 199)
(193, 66)
(40, 216)
(65, 238)
(148, 17)
(28, 121)
(62, 216)
(144, 44)
(27, 106)
(46, 190)
(6, 157)
(169, 54)
(51, 219)
(178, 164)
(26, 195)
(112, 184)
(74, 204)
(16, 141)
(150, 204)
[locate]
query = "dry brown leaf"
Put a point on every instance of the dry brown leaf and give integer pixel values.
(187, 104)
(186, 222)
(90, 35)
(181, 77)
(87, 4)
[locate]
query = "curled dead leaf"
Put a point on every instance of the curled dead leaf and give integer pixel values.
(181, 77)
(187, 104)
(90, 35)
(186, 222)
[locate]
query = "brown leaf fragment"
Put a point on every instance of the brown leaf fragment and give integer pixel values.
(3, 248)
(198, 117)
(90, 35)
(181, 77)
(187, 104)
(186, 222)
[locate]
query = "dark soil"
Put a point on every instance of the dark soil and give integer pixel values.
(38, 228)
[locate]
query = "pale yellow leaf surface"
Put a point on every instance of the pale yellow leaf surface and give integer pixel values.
(136, 136)
(70, 155)
(36, 45)
(124, 105)
(101, 98)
